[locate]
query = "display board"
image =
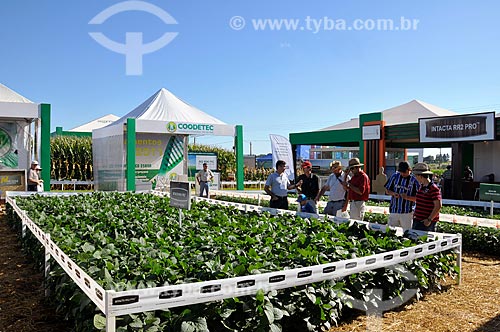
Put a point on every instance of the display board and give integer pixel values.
(159, 158)
(12, 180)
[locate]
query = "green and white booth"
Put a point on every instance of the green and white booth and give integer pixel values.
(147, 148)
(24, 136)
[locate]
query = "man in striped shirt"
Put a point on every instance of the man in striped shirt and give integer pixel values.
(428, 200)
(401, 209)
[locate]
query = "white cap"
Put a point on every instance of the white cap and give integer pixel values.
(34, 162)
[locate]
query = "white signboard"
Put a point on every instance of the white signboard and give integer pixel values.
(211, 162)
(282, 150)
(184, 128)
(371, 132)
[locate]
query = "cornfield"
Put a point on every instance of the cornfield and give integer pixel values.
(71, 158)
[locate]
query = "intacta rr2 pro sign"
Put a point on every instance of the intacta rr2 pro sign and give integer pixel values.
(190, 128)
(473, 127)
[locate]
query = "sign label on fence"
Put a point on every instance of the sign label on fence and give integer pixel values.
(180, 195)
(489, 192)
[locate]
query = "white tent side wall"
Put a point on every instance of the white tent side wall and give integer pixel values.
(109, 157)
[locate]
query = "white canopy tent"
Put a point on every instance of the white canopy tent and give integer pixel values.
(161, 126)
(409, 112)
(95, 124)
(19, 142)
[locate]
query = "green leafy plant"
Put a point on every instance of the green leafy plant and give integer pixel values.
(129, 241)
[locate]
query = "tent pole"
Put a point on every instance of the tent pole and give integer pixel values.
(44, 146)
(238, 142)
(130, 167)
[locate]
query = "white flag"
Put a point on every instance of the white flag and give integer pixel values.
(282, 150)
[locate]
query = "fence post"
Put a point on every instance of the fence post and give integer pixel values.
(47, 263)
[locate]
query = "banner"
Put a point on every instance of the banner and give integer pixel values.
(8, 146)
(473, 127)
(282, 150)
(159, 158)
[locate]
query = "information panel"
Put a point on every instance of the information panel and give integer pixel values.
(180, 195)
(489, 192)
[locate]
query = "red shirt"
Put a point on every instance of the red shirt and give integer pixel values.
(361, 181)
(426, 196)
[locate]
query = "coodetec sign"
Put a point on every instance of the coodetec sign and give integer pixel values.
(190, 128)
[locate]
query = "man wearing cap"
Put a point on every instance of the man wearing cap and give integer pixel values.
(428, 200)
(401, 183)
(33, 177)
(310, 184)
(277, 186)
(336, 198)
(358, 189)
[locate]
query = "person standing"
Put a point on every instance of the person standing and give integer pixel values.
(428, 200)
(401, 185)
(358, 189)
(337, 195)
(204, 177)
(310, 185)
(277, 186)
(468, 174)
(33, 177)
(447, 177)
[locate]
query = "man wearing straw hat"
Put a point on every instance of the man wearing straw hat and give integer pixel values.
(336, 198)
(358, 188)
(428, 199)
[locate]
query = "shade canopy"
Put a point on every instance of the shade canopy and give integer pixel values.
(15, 106)
(406, 113)
(165, 106)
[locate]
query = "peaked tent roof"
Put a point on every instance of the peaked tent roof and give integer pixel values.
(165, 106)
(405, 113)
(10, 96)
(95, 124)
(13, 105)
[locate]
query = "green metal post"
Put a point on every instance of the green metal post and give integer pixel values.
(238, 142)
(131, 135)
(45, 145)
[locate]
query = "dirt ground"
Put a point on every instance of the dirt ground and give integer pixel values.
(472, 306)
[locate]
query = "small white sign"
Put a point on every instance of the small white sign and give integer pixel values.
(210, 160)
(371, 132)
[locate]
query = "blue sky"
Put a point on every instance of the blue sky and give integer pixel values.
(271, 82)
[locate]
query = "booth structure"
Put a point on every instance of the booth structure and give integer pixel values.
(24, 136)
(384, 137)
(147, 148)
